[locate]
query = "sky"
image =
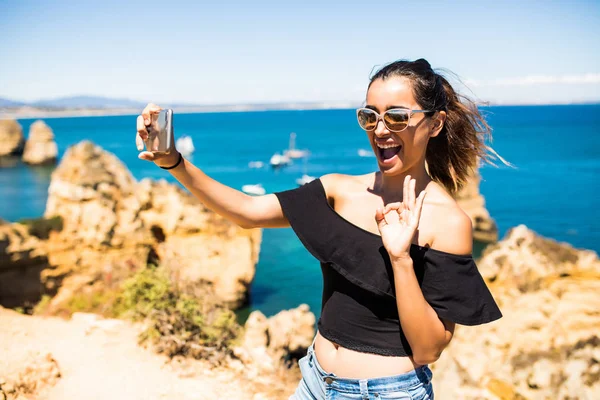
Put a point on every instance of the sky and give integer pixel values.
(232, 52)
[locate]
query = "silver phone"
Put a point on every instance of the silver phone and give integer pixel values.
(160, 133)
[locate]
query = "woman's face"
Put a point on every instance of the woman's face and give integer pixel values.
(410, 144)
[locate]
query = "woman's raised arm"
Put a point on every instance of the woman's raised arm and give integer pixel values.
(240, 208)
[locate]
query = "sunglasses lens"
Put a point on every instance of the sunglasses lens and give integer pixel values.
(367, 119)
(396, 120)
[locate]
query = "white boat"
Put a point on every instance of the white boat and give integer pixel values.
(305, 179)
(256, 164)
(292, 152)
(257, 189)
(185, 145)
(278, 160)
(365, 153)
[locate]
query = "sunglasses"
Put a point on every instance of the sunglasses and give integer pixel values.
(395, 119)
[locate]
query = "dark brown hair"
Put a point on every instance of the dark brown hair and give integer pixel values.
(452, 155)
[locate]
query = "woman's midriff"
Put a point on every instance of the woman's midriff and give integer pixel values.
(346, 363)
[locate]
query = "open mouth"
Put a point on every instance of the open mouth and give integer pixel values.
(388, 152)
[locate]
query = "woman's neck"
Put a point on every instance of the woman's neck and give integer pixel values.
(391, 187)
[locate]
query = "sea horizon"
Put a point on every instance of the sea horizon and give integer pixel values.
(25, 113)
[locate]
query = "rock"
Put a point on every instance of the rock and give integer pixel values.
(101, 236)
(525, 260)
(40, 148)
(546, 343)
(30, 376)
(12, 141)
(291, 331)
(23, 257)
(112, 226)
(473, 203)
(198, 245)
(269, 341)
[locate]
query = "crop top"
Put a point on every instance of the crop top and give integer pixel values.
(358, 309)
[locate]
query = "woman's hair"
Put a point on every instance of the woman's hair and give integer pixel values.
(452, 155)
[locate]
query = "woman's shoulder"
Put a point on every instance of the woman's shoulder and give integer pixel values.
(451, 228)
(336, 184)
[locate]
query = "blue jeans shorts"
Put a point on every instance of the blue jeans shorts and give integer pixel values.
(316, 384)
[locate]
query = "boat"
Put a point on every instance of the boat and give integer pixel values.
(305, 179)
(279, 160)
(185, 145)
(365, 153)
(256, 164)
(292, 152)
(256, 189)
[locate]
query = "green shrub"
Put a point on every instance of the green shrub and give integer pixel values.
(177, 323)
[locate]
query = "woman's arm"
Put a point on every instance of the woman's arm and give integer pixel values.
(426, 333)
(242, 209)
(246, 211)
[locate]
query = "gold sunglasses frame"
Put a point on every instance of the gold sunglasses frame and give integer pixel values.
(380, 117)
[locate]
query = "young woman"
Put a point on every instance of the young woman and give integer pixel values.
(397, 266)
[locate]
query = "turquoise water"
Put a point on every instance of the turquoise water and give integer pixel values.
(554, 188)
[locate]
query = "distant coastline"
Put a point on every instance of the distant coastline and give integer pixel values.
(30, 112)
(35, 112)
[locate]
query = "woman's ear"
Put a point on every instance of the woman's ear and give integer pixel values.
(437, 123)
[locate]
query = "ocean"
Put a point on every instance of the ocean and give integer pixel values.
(553, 187)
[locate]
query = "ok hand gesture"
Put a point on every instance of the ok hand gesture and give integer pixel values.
(398, 222)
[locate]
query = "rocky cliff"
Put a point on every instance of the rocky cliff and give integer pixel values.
(113, 225)
(547, 345)
(472, 202)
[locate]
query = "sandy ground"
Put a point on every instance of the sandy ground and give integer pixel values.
(103, 361)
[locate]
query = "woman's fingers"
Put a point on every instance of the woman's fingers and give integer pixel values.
(393, 206)
(141, 126)
(139, 143)
(416, 215)
(405, 189)
(141, 134)
(380, 217)
(149, 111)
(147, 155)
(411, 194)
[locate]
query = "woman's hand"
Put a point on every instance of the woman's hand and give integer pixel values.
(147, 118)
(398, 222)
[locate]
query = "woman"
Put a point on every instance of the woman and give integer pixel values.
(397, 267)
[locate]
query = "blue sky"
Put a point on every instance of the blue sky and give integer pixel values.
(271, 51)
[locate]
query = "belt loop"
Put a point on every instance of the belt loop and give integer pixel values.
(364, 390)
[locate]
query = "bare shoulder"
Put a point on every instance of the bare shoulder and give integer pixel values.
(451, 227)
(335, 184)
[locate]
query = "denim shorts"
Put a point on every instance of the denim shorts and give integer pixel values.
(316, 384)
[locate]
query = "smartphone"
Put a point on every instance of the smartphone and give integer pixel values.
(160, 133)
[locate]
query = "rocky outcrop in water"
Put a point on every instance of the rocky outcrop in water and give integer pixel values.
(113, 225)
(40, 148)
(12, 141)
(547, 345)
(473, 203)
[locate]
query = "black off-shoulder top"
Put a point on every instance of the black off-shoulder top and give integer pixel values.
(358, 309)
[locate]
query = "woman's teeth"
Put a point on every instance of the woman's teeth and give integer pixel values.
(387, 145)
